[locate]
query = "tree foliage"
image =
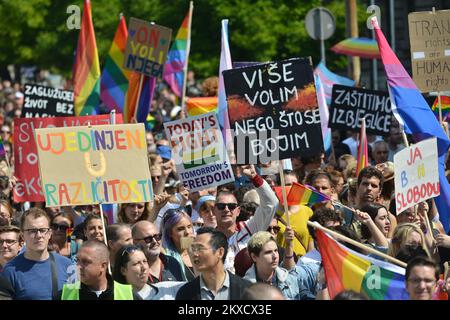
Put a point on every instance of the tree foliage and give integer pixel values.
(34, 32)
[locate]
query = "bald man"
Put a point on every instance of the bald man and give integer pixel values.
(262, 291)
(96, 283)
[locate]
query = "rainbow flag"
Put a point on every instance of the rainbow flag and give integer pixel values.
(363, 156)
(445, 106)
(300, 194)
(346, 269)
(114, 80)
(279, 193)
(86, 70)
(201, 105)
(178, 56)
(110, 212)
(2, 148)
(414, 114)
(359, 47)
(145, 100)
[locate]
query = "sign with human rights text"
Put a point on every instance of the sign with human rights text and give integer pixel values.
(199, 152)
(350, 104)
(43, 102)
(273, 111)
(94, 165)
(416, 174)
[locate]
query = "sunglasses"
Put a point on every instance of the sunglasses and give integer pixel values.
(4, 131)
(59, 227)
(275, 229)
(131, 249)
(149, 239)
(222, 206)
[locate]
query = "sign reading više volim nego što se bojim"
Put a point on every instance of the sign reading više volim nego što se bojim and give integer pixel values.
(91, 165)
(198, 151)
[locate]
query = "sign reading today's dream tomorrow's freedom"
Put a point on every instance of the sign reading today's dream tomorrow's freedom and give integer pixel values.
(91, 165)
(198, 152)
(416, 174)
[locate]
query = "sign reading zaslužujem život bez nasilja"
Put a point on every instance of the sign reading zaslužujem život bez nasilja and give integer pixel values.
(44, 102)
(416, 174)
(198, 151)
(92, 165)
(147, 46)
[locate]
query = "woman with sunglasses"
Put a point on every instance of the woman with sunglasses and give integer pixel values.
(131, 213)
(131, 267)
(176, 227)
(60, 241)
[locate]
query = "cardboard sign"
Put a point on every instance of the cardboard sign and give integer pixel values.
(350, 104)
(429, 36)
(28, 187)
(92, 165)
(198, 151)
(147, 46)
(416, 174)
(273, 111)
(44, 102)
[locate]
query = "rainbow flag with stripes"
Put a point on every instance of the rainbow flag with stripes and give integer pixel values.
(279, 193)
(363, 154)
(445, 107)
(177, 57)
(114, 80)
(86, 70)
(201, 105)
(346, 269)
(145, 97)
(300, 194)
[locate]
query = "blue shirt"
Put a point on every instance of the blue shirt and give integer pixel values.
(32, 280)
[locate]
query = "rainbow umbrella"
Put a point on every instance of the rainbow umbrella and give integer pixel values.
(359, 47)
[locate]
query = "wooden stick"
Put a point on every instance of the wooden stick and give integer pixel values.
(283, 191)
(357, 244)
(104, 233)
(185, 69)
(141, 81)
(440, 107)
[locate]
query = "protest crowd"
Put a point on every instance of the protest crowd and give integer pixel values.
(321, 223)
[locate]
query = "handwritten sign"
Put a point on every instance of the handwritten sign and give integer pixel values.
(416, 174)
(26, 170)
(96, 164)
(273, 111)
(198, 152)
(350, 104)
(147, 46)
(429, 36)
(43, 101)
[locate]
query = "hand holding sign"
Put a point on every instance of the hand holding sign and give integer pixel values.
(249, 171)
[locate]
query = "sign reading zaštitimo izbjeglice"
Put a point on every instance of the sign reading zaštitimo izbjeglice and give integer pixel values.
(91, 165)
(273, 111)
(350, 104)
(198, 152)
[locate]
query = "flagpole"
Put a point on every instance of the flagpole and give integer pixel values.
(188, 49)
(357, 244)
(283, 191)
(440, 107)
(104, 233)
(141, 81)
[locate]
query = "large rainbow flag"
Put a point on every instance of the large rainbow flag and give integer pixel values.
(346, 269)
(300, 194)
(363, 156)
(201, 105)
(416, 117)
(114, 80)
(177, 58)
(86, 70)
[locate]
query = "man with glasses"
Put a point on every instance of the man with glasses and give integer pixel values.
(421, 278)
(37, 274)
(227, 210)
(10, 244)
(162, 267)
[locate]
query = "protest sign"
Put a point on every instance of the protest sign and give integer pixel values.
(273, 111)
(350, 104)
(198, 151)
(26, 170)
(147, 46)
(94, 164)
(416, 174)
(429, 36)
(43, 101)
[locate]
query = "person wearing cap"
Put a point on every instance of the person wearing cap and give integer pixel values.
(205, 210)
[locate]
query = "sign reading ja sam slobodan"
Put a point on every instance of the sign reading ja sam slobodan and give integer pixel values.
(147, 47)
(92, 165)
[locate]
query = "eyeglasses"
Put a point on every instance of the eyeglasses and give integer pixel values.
(417, 281)
(9, 242)
(5, 131)
(131, 249)
(59, 227)
(197, 248)
(275, 229)
(149, 239)
(34, 232)
(197, 224)
(231, 206)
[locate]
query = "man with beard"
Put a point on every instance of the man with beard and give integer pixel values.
(162, 267)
